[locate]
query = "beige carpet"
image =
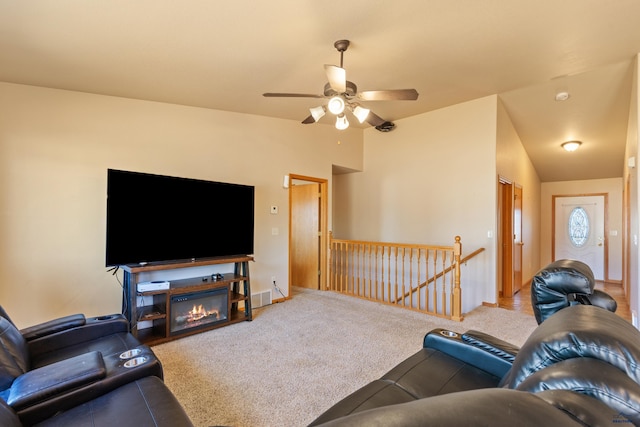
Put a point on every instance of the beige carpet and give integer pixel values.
(297, 358)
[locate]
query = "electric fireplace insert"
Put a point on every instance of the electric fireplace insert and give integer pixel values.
(197, 310)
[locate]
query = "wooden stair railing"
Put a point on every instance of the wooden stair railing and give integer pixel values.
(424, 278)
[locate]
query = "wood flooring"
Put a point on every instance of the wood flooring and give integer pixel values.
(522, 300)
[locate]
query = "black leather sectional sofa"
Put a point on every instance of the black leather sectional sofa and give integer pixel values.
(77, 371)
(580, 367)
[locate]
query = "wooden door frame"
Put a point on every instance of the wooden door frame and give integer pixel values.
(605, 233)
(324, 234)
(505, 243)
(626, 240)
(517, 246)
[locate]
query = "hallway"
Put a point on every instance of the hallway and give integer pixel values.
(522, 300)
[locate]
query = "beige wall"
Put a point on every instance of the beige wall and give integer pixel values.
(613, 187)
(514, 164)
(432, 178)
(55, 148)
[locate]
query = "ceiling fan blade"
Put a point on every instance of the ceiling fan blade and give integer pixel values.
(308, 120)
(388, 95)
(291, 95)
(374, 120)
(337, 78)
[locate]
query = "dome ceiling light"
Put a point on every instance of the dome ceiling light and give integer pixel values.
(571, 145)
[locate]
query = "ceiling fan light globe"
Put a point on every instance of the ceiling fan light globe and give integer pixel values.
(361, 113)
(317, 112)
(341, 122)
(336, 105)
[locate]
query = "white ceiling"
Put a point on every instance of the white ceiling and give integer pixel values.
(225, 54)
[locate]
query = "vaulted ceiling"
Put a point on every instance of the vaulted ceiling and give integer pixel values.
(226, 54)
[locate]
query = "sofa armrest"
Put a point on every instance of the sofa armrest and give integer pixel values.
(591, 377)
(480, 350)
(93, 328)
(486, 407)
(40, 384)
(500, 348)
(53, 326)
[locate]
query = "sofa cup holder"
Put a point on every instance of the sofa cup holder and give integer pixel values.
(102, 318)
(136, 361)
(130, 353)
(448, 334)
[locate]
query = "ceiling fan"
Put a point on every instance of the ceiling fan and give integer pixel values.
(343, 96)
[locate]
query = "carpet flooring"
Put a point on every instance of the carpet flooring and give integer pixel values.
(297, 358)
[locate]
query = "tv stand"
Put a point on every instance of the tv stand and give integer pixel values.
(156, 308)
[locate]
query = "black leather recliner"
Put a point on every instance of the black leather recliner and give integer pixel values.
(69, 336)
(563, 283)
(144, 402)
(65, 362)
(579, 367)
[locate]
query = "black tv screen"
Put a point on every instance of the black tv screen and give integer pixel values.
(155, 218)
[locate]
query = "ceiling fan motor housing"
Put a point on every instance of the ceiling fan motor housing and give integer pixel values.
(350, 91)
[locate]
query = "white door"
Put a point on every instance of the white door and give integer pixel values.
(579, 231)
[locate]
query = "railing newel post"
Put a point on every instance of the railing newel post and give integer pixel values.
(457, 291)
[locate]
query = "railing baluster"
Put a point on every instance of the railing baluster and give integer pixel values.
(444, 282)
(411, 252)
(387, 294)
(427, 299)
(395, 273)
(434, 262)
(404, 300)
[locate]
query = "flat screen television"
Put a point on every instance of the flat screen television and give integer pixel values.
(156, 218)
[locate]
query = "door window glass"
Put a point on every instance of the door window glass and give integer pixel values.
(578, 227)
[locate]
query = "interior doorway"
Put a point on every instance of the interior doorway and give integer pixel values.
(307, 232)
(510, 243)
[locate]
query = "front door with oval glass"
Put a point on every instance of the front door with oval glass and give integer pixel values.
(579, 231)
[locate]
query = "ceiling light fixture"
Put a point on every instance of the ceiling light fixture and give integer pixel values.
(317, 112)
(341, 122)
(571, 145)
(361, 113)
(336, 105)
(562, 96)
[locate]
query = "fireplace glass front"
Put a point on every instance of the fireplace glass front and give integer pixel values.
(198, 310)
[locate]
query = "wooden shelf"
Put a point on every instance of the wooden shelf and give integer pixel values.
(236, 297)
(158, 311)
(150, 336)
(152, 312)
(172, 265)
